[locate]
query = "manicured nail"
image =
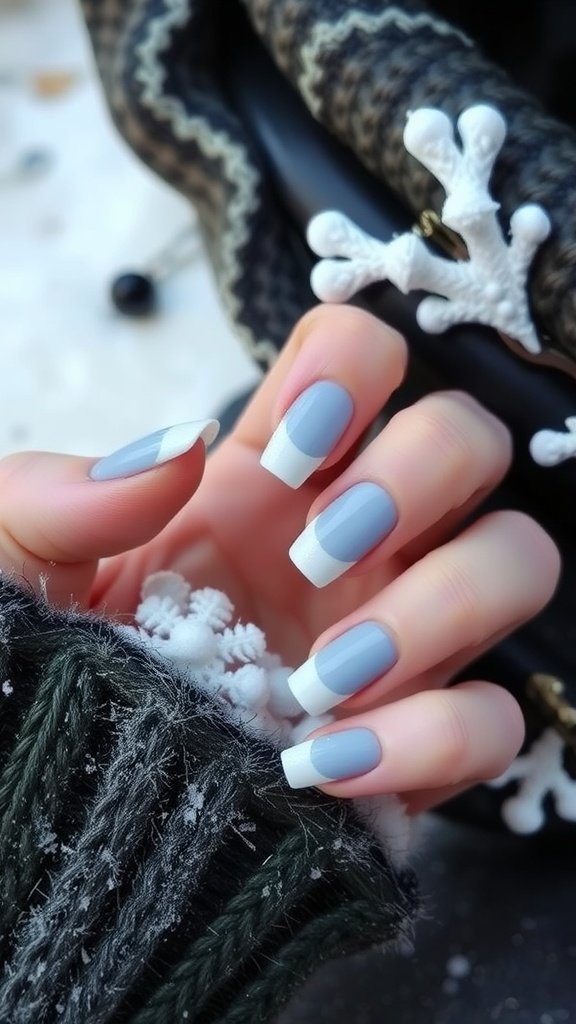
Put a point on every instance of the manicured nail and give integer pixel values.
(339, 755)
(343, 533)
(154, 449)
(309, 431)
(345, 666)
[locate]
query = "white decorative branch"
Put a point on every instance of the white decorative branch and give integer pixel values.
(539, 772)
(549, 447)
(490, 286)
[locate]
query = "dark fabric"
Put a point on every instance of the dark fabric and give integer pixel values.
(155, 865)
(163, 66)
(496, 944)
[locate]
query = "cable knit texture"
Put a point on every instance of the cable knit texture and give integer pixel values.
(156, 867)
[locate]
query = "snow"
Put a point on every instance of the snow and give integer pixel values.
(76, 376)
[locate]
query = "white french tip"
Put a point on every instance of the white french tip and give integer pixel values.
(298, 767)
(283, 459)
(309, 690)
(183, 436)
(313, 562)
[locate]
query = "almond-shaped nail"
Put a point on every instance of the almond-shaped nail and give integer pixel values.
(308, 433)
(154, 449)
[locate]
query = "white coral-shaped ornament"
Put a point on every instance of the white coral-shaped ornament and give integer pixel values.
(490, 286)
(550, 447)
(211, 606)
(538, 772)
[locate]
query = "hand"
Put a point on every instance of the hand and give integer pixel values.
(417, 594)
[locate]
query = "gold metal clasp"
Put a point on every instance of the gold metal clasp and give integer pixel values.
(548, 692)
(430, 226)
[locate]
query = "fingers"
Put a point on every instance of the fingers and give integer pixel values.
(381, 520)
(430, 459)
(333, 377)
(431, 741)
(60, 514)
(499, 572)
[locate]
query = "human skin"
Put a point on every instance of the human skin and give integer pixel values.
(444, 592)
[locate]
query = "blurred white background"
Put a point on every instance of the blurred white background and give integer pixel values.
(74, 374)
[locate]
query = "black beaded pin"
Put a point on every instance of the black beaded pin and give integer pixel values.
(134, 293)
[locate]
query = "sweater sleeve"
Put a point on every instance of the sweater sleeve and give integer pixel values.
(156, 866)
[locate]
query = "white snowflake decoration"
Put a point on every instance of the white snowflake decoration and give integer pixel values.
(550, 447)
(192, 629)
(489, 287)
(538, 773)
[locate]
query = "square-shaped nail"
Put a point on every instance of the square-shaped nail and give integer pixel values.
(308, 432)
(357, 521)
(343, 667)
(344, 754)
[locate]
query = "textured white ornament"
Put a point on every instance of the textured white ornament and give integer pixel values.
(550, 447)
(211, 606)
(250, 687)
(490, 286)
(190, 628)
(539, 772)
(192, 642)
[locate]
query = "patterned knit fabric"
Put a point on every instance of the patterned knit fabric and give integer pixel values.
(155, 865)
(359, 68)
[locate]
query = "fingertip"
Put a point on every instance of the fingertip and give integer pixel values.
(154, 449)
(432, 740)
(53, 516)
(511, 724)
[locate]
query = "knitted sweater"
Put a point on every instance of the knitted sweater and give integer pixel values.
(156, 866)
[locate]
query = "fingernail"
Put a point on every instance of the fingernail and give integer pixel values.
(154, 449)
(345, 666)
(343, 533)
(339, 755)
(309, 431)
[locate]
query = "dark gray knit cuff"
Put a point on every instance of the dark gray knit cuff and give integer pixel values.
(156, 867)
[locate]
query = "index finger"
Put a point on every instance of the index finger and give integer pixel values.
(338, 369)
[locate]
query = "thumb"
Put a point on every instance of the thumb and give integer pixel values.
(59, 513)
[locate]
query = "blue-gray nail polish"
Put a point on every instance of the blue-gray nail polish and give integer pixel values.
(339, 755)
(319, 417)
(308, 432)
(154, 449)
(344, 532)
(345, 666)
(356, 522)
